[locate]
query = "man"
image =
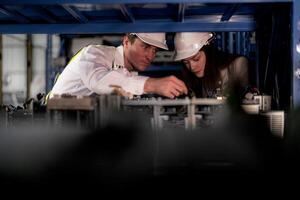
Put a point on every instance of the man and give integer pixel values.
(100, 69)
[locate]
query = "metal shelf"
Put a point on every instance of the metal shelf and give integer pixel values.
(91, 16)
(37, 2)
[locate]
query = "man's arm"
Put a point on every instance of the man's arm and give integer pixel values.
(94, 69)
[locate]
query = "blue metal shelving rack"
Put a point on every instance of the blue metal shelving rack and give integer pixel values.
(120, 16)
(99, 16)
(296, 53)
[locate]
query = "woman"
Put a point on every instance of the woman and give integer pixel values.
(208, 72)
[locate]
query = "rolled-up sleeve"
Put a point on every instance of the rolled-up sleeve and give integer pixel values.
(102, 83)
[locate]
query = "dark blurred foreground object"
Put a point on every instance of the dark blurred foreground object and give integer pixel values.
(42, 155)
(126, 154)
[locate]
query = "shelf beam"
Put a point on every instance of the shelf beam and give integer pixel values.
(29, 68)
(296, 54)
(127, 14)
(75, 13)
(16, 16)
(49, 81)
(43, 12)
(55, 2)
(229, 12)
(1, 71)
(94, 28)
(181, 10)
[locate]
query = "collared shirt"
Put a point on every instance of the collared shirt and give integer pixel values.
(95, 70)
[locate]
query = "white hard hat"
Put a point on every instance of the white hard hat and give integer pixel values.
(188, 44)
(155, 39)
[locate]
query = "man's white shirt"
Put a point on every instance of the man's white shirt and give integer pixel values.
(94, 70)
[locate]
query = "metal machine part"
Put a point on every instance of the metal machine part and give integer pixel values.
(183, 113)
(264, 102)
(162, 114)
(251, 108)
(275, 120)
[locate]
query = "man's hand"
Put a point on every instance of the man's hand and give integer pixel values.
(121, 92)
(168, 86)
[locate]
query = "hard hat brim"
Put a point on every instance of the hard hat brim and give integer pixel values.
(153, 42)
(183, 55)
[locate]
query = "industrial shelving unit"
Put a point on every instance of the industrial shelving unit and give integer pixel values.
(120, 16)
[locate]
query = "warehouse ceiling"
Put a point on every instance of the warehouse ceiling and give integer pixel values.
(99, 16)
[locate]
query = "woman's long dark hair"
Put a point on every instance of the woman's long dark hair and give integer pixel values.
(215, 61)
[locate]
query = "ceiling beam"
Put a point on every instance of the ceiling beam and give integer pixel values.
(181, 11)
(16, 16)
(94, 28)
(75, 13)
(55, 2)
(229, 12)
(127, 13)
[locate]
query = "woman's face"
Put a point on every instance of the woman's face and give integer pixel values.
(196, 63)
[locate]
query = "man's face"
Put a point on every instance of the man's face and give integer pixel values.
(138, 55)
(196, 64)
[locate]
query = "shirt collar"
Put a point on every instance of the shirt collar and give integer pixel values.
(119, 58)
